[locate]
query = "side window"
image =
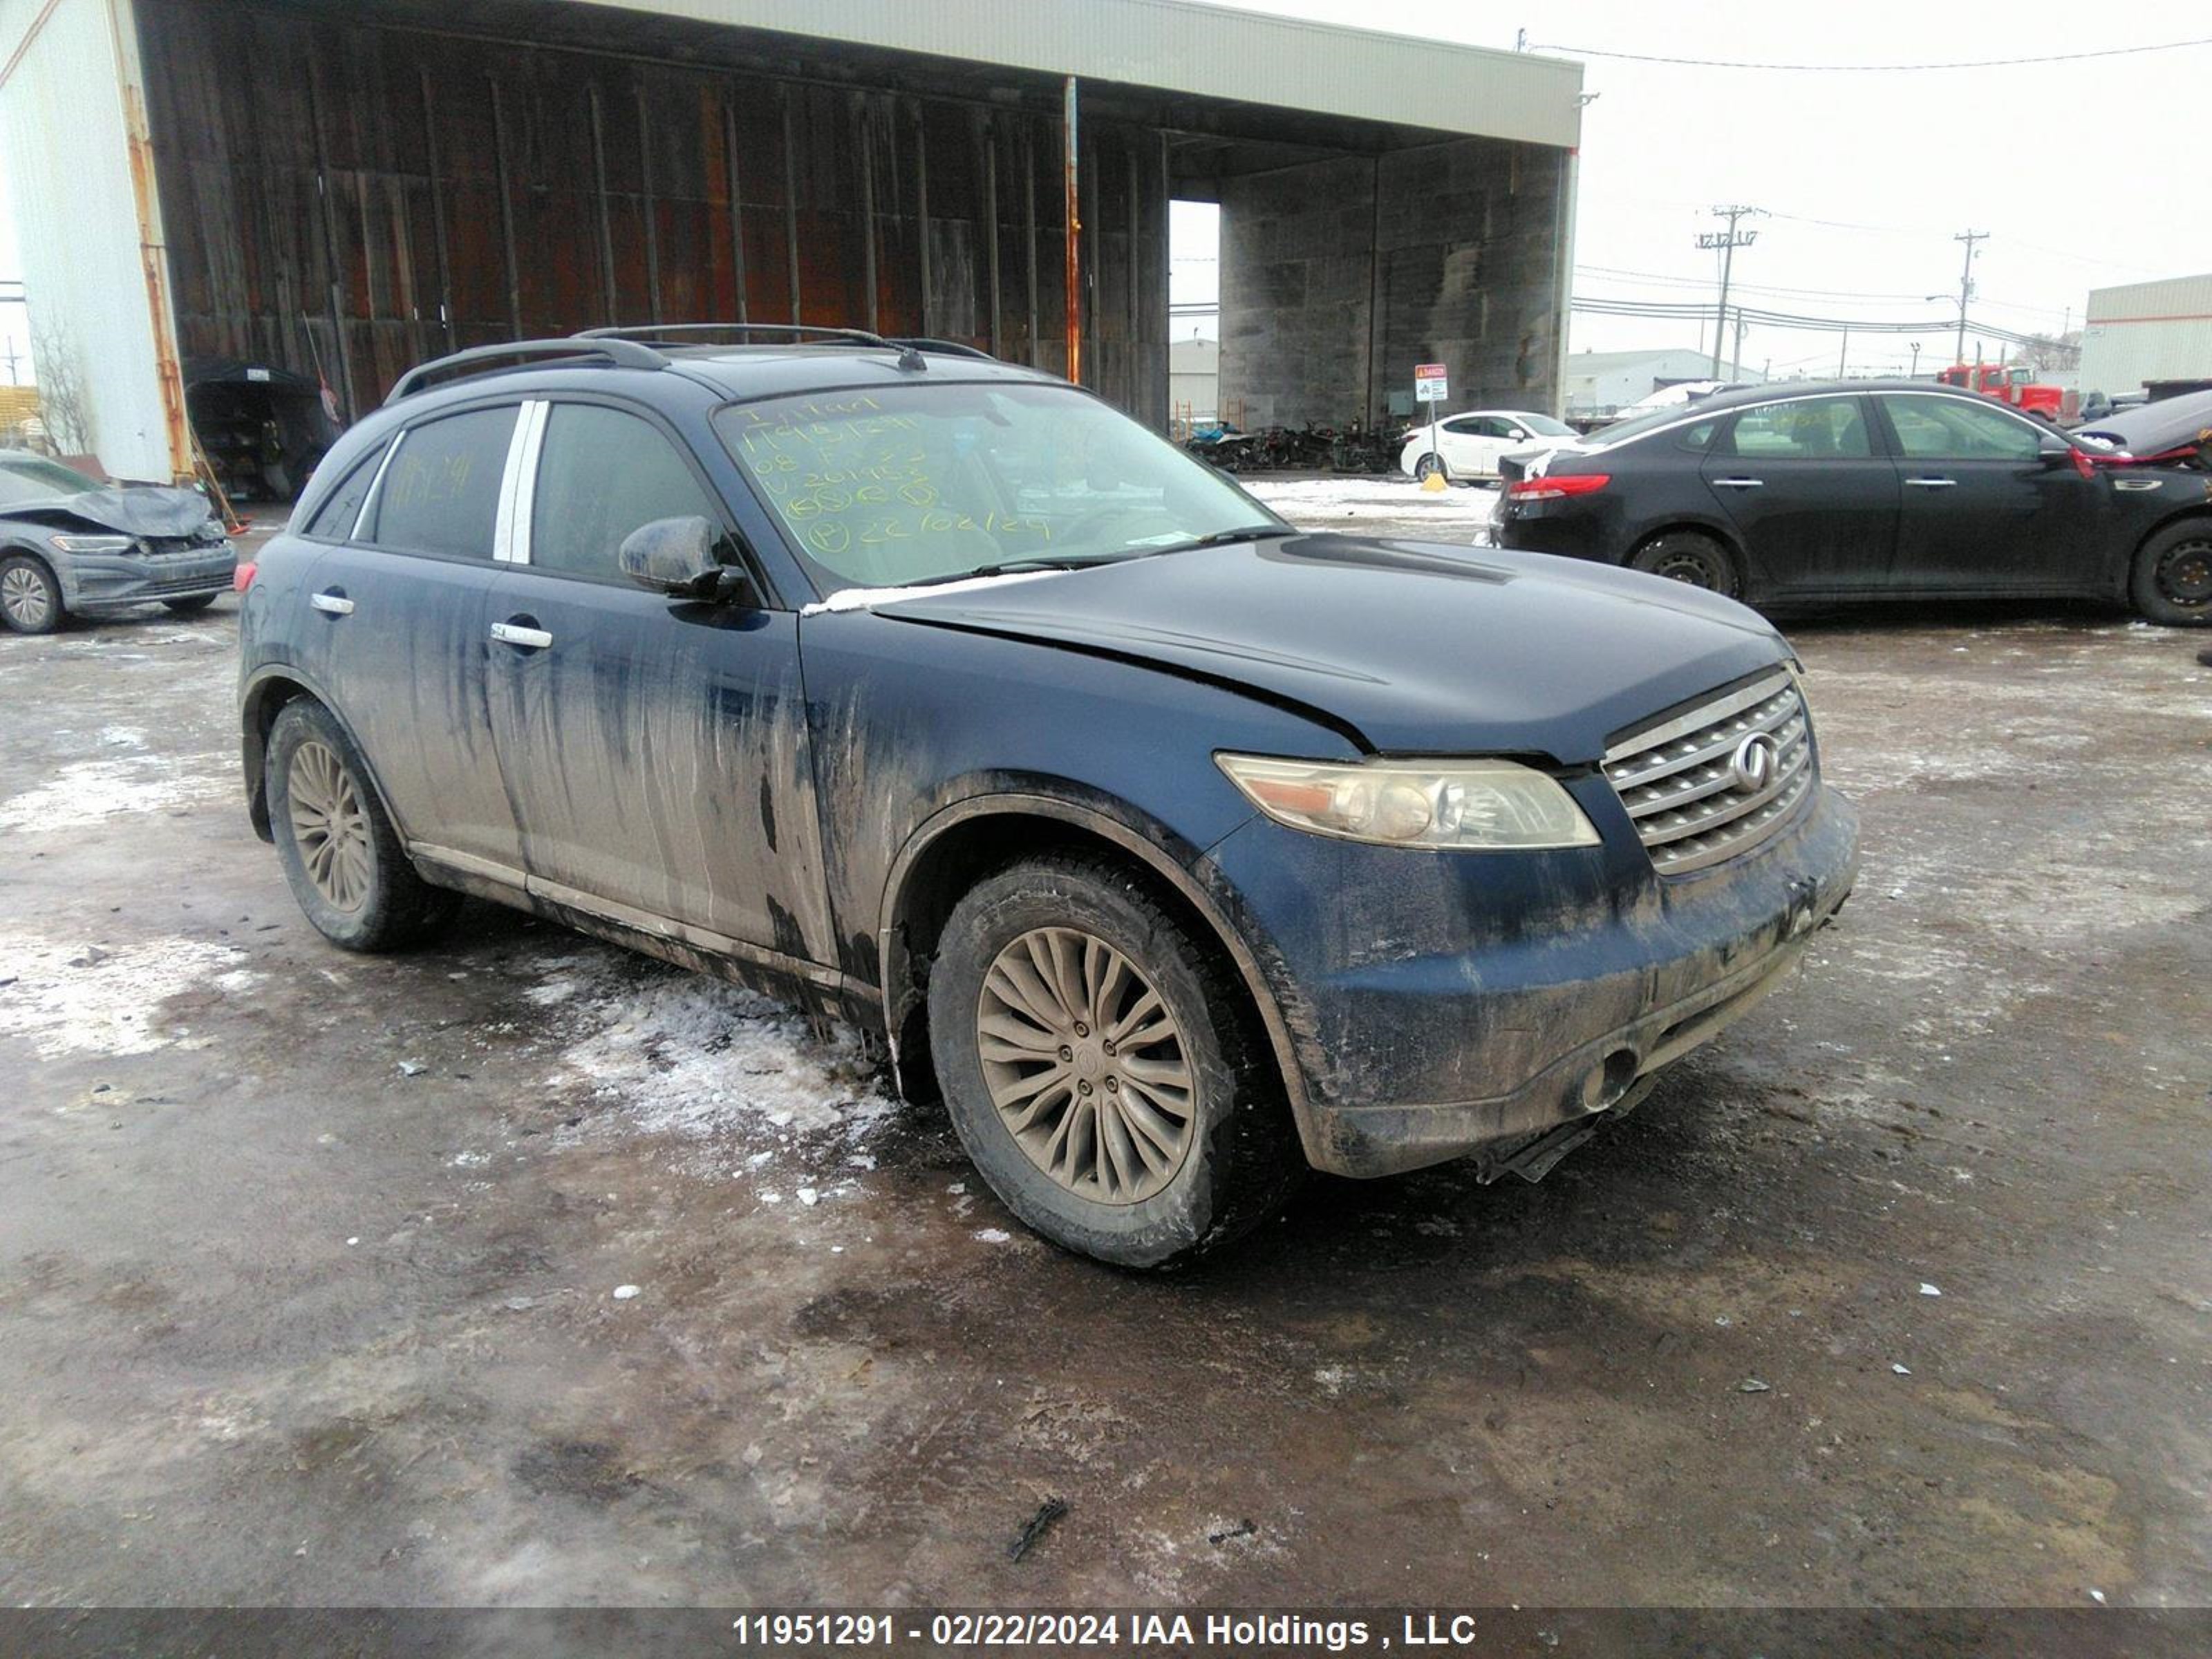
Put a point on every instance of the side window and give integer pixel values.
(335, 518)
(1697, 436)
(1467, 426)
(1489, 426)
(602, 473)
(1806, 429)
(441, 493)
(1947, 430)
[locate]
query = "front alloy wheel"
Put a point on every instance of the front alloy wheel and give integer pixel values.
(30, 600)
(2172, 577)
(1085, 1066)
(1104, 1066)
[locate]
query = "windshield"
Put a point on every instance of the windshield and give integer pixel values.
(925, 483)
(1544, 427)
(35, 479)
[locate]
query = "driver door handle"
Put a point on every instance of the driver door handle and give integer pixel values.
(1933, 483)
(1739, 483)
(534, 639)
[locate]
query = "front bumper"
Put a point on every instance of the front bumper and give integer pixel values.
(1440, 1005)
(109, 581)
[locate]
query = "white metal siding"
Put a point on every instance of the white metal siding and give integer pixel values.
(2146, 332)
(63, 139)
(1204, 51)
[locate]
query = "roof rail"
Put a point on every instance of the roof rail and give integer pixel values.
(943, 348)
(909, 348)
(624, 354)
(679, 330)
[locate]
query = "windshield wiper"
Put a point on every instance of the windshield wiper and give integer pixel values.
(1006, 568)
(1250, 532)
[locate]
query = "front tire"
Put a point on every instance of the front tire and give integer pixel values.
(30, 598)
(340, 855)
(1686, 556)
(2171, 582)
(1101, 1068)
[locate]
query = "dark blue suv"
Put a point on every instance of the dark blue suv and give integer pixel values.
(1175, 850)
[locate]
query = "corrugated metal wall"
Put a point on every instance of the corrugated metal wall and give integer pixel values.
(2146, 332)
(354, 197)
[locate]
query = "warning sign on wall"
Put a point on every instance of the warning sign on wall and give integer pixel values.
(1430, 386)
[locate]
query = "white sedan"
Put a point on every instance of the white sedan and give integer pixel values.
(1468, 446)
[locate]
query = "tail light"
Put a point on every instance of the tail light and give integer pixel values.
(242, 578)
(1558, 486)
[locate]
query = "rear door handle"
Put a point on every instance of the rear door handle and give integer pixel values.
(333, 603)
(1739, 483)
(508, 633)
(1933, 483)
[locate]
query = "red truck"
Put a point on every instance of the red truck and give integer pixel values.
(2015, 386)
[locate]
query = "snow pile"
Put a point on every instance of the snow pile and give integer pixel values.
(71, 999)
(1398, 505)
(740, 1074)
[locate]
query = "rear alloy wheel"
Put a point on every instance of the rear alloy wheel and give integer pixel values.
(30, 598)
(1683, 555)
(2172, 579)
(1101, 1067)
(1432, 465)
(340, 855)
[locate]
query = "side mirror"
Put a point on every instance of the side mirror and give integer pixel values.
(676, 556)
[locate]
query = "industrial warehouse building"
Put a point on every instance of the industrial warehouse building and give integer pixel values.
(2148, 336)
(337, 189)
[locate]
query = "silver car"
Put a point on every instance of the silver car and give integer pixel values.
(68, 546)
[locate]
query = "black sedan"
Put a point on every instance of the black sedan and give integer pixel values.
(1870, 491)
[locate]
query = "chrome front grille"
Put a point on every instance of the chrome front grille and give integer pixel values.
(1718, 778)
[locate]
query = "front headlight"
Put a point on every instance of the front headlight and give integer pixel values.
(94, 543)
(1467, 805)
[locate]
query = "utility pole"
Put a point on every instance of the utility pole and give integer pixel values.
(1735, 368)
(1916, 360)
(1727, 241)
(1844, 356)
(1966, 285)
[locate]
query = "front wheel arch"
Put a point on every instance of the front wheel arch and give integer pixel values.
(963, 842)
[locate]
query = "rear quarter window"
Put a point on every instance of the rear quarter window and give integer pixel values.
(335, 518)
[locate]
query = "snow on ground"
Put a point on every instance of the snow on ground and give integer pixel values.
(74, 998)
(1391, 506)
(739, 1077)
(87, 792)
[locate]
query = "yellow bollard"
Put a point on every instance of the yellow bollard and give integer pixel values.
(1434, 483)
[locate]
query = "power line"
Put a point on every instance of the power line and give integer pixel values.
(1881, 69)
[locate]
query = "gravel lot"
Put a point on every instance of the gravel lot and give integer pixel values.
(309, 1263)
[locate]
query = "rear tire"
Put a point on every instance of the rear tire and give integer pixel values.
(191, 607)
(30, 598)
(1179, 1139)
(1429, 465)
(2171, 582)
(340, 855)
(1686, 556)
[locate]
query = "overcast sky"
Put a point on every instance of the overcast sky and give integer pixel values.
(2080, 170)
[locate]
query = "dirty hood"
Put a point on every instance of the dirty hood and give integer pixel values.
(138, 510)
(1420, 648)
